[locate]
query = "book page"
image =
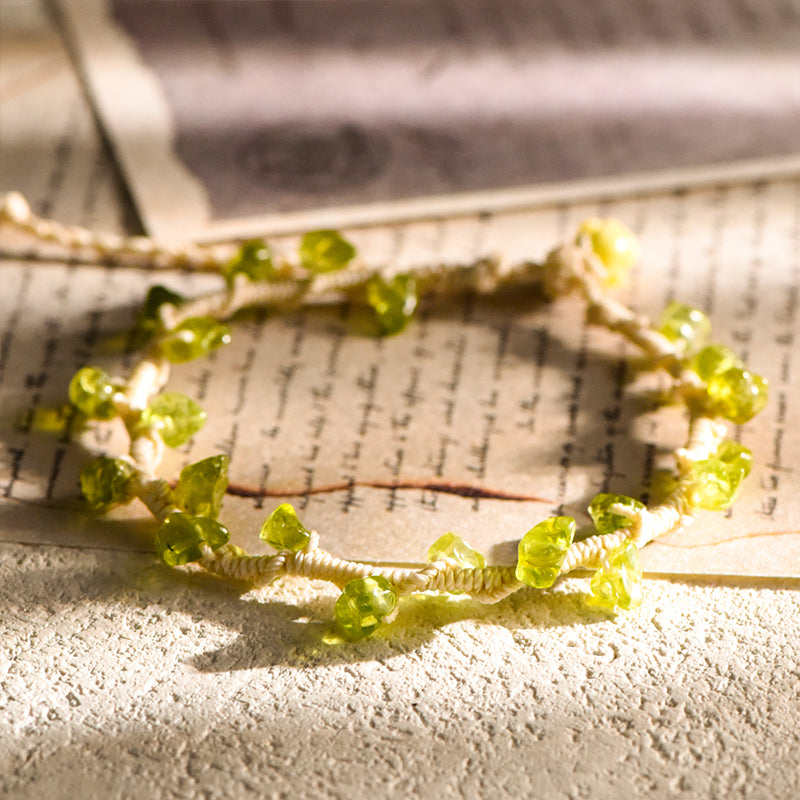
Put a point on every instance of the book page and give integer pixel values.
(239, 118)
(485, 416)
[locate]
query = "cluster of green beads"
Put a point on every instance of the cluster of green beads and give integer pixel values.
(365, 602)
(175, 416)
(198, 495)
(543, 549)
(393, 300)
(732, 391)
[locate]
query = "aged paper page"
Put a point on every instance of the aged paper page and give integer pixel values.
(485, 416)
(238, 118)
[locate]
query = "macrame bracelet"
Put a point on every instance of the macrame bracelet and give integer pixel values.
(708, 378)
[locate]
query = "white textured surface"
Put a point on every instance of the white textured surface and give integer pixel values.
(120, 678)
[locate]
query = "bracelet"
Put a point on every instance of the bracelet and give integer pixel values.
(707, 378)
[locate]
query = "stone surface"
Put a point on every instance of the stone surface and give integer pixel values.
(120, 677)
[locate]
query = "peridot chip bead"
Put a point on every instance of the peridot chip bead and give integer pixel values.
(737, 394)
(616, 245)
(106, 482)
(684, 325)
(202, 486)
(456, 549)
(736, 455)
(254, 260)
(175, 416)
(92, 391)
(181, 535)
(194, 337)
(394, 301)
(605, 520)
(713, 484)
(325, 251)
(283, 530)
(363, 605)
(713, 359)
(542, 551)
(158, 296)
(618, 583)
(147, 321)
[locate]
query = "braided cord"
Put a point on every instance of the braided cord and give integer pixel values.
(574, 267)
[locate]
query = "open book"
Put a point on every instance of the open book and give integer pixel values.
(231, 118)
(485, 416)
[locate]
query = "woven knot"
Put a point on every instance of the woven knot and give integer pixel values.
(568, 267)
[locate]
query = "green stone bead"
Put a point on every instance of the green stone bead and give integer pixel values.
(106, 482)
(363, 605)
(193, 338)
(604, 519)
(254, 260)
(175, 416)
(616, 245)
(202, 486)
(283, 530)
(619, 583)
(542, 551)
(394, 301)
(147, 320)
(325, 251)
(686, 326)
(158, 296)
(180, 536)
(456, 549)
(735, 455)
(737, 395)
(92, 391)
(713, 484)
(713, 359)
